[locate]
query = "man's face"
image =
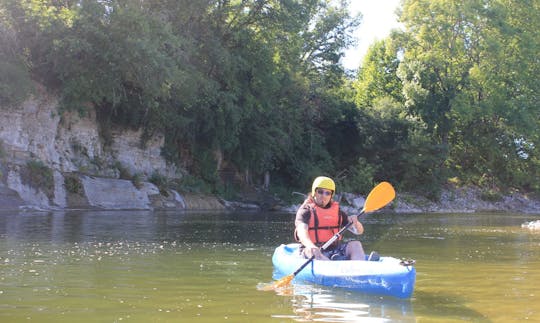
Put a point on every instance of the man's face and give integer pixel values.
(323, 196)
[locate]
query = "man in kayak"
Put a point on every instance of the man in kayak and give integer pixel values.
(319, 218)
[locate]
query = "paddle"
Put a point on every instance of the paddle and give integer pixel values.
(381, 195)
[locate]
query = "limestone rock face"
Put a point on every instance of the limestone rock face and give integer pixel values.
(34, 197)
(114, 194)
(78, 143)
(70, 146)
(127, 149)
(29, 131)
(10, 198)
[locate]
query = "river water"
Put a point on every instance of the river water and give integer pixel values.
(134, 266)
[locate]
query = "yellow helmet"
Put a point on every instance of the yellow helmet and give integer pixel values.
(323, 182)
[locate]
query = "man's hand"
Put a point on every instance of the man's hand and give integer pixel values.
(353, 219)
(310, 249)
(357, 227)
(309, 252)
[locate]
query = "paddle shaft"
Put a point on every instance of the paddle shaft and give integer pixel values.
(326, 245)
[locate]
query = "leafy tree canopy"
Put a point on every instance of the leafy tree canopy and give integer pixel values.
(251, 87)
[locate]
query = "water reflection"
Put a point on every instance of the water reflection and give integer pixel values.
(112, 226)
(312, 303)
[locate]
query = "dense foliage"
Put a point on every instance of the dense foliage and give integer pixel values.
(461, 81)
(255, 87)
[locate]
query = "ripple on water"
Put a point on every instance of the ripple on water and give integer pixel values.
(314, 303)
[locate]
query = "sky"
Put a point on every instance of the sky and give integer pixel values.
(378, 19)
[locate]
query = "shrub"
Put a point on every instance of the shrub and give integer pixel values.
(357, 178)
(491, 195)
(160, 181)
(193, 184)
(123, 172)
(137, 180)
(2, 150)
(73, 184)
(37, 175)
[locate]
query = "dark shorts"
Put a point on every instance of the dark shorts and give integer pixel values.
(338, 252)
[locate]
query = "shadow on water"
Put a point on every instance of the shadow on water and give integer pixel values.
(445, 307)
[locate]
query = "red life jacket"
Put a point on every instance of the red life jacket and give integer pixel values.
(324, 222)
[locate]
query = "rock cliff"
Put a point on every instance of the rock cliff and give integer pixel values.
(78, 169)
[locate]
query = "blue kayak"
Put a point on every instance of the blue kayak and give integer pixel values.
(387, 276)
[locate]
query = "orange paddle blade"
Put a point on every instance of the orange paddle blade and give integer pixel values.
(283, 282)
(379, 196)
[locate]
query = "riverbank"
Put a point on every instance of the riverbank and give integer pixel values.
(452, 200)
(50, 161)
(148, 197)
(467, 200)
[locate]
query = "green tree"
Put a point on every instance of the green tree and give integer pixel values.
(500, 117)
(377, 76)
(440, 48)
(15, 81)
(468, 74)
(251, 85)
